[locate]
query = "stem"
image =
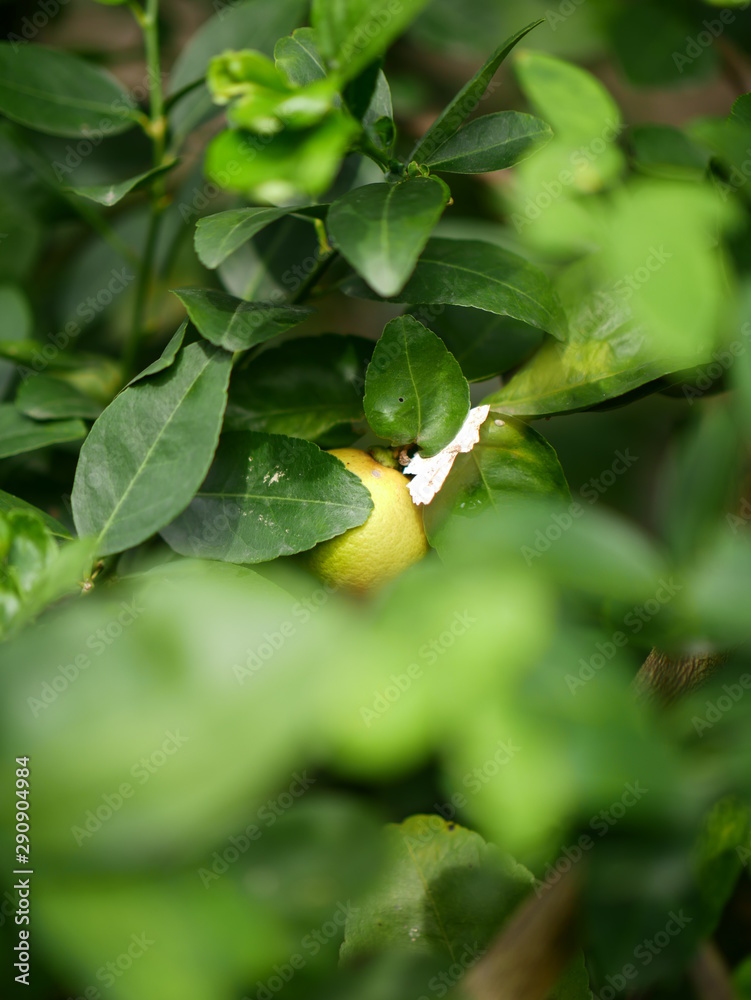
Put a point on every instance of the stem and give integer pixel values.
(314, 277)
(148, 19)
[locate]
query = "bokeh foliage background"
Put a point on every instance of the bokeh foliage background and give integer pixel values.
(265, 728)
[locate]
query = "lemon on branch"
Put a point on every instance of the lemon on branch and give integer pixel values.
(387, 543)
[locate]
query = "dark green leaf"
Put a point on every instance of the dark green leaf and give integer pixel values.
(8, 503)
(303, 388)
(148, 452)
(381, 229)
(509, 463)
(717, 858)
(484, 344)
(378, 120)
(652, 42)
(111, 194)
(234, 324)
(16, 324)
(359, 93)
(166, 358)
(352, 33)
(61, 94)
(217, 236)
(492, 142)
(664, 151)
(444, 891)
(414, 388)
(19, 434)
(268, 496)
(45, 397)
(298, 58)
(452, 116)
(483, 276)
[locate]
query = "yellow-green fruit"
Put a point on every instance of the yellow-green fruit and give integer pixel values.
(387, 543)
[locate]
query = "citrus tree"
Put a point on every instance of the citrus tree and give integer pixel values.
(332, 664)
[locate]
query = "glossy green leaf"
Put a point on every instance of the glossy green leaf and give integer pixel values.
(234, 324)
(8, 503)
(111, 194)
(444, 891)
(484, 344)
(218, 236)
(492, 142)
(303, 388)
(60, 94)
(266, 496)
(414, 388)
(353, 33)
(509, 463)
(380, 229)
(167, 358)
(452, 116)
(256, 24)
(297, 56)
(19, 434)
(483, 276)
(285, 165)
(45, 397)
(149, 451)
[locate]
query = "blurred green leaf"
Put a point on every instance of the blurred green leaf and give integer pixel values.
(414, 388)
(60, 94)
(19, 434)
(281, 166)
(445, 891)
(234, 324)
(509, 463)
(382, 229)
(701, 481)
(717, 858)
(164, 935)
(45, 397)
(653, 43)
(148, 452)
(666, 151)
(253, 24)
(267, 495)
(9, 503)
(297, 56)
(352, 33)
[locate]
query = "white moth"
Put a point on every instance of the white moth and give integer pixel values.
(430, 473)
